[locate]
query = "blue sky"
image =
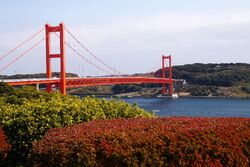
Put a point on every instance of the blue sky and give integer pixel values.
(131, 35)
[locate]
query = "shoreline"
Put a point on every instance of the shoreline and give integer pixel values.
(143, 96)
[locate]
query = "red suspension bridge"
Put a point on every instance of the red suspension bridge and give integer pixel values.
(114, 76)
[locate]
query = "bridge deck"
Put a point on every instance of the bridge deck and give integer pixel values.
(31, 81)
(78, 82)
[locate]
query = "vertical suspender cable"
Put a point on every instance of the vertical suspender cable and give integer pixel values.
(93, 55)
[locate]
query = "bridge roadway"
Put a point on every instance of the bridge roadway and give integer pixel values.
(89, 81)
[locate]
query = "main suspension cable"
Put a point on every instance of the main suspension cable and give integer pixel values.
(79, 54)
(84, 47)
(20, 56)
(21, 44)
(97, 67)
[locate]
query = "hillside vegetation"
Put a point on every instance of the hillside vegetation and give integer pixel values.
(38, 75)
(214, 79)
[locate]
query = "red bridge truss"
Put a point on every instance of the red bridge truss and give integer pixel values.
(64, 82)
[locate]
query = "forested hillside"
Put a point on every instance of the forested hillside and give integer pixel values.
(212, 74)
(214, 79)
(38, 75)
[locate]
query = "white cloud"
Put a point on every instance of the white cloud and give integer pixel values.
(135, 44)
(189, 37)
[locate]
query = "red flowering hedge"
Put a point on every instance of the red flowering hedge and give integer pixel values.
(4, 146)
(173, 141)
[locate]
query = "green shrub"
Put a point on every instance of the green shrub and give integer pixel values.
(5, 89)
(147, 142)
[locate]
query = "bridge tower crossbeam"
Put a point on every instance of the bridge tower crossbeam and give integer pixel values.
(48, 30)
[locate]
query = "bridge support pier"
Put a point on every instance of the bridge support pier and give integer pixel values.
(37, 86)
(169, 69)
(49, 29)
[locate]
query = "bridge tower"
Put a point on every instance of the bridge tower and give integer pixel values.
(48, 30)
(169, 69)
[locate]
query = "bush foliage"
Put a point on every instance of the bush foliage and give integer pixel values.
(4, 147)
(147, 142)
(26, 114)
